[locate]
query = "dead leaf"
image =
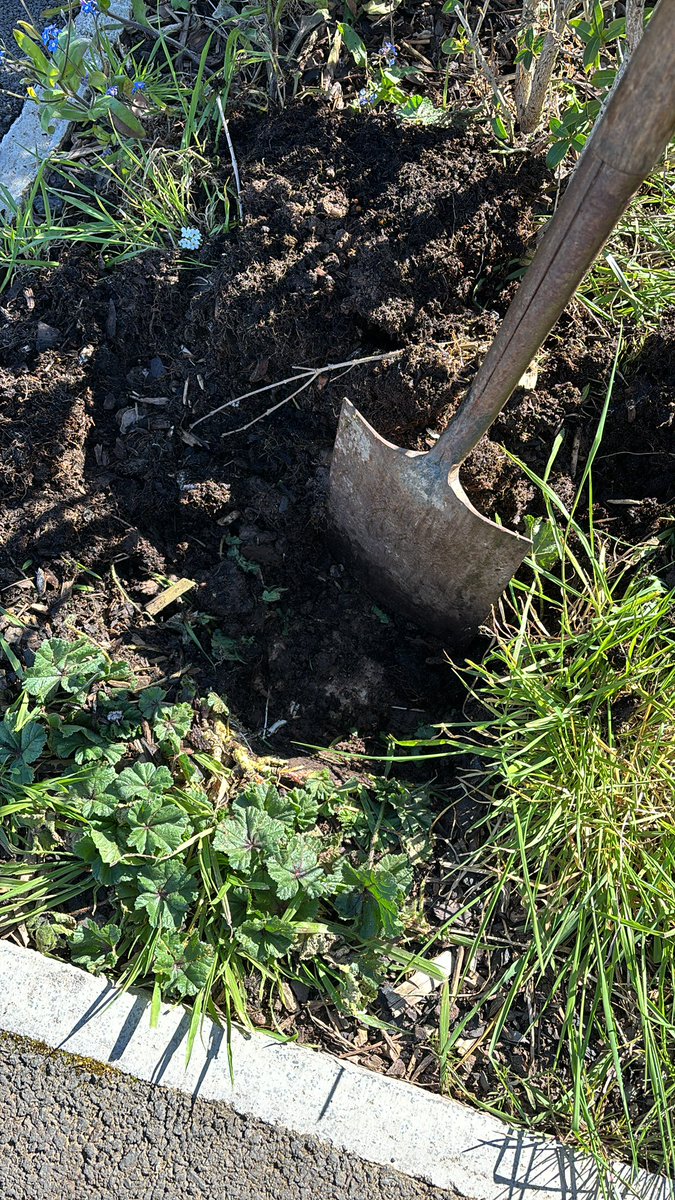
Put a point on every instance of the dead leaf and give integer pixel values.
(420, 985)
(189, 438)
(128, 417)
(260, 370)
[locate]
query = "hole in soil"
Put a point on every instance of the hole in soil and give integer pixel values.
(338, 258)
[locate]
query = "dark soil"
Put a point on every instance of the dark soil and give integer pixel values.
(362, 237)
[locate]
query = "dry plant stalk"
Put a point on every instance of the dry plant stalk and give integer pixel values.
(532, 83)
(635, 27)
(481, 61)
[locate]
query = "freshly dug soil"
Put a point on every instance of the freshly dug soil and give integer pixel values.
(361, 237)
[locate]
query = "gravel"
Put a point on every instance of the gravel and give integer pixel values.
(68, 1128)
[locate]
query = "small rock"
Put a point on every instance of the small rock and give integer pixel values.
(156, 368)
(335, 204)
(47, 337)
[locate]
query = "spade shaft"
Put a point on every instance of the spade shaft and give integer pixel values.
(402, 516)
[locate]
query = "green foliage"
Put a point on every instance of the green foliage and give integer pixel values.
(70, 666)
(20, 746)
(296, 881)
(80, 80)
(596, 34)
(530, 45)
(94, 947)
(634, 278)
(571, 130)
(129, 195)
(183, 967)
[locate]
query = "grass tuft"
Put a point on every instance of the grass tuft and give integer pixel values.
(572, 760)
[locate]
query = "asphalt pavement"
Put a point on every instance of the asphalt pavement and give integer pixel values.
(69, 1129)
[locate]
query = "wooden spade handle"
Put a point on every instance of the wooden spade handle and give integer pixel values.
(621, 151)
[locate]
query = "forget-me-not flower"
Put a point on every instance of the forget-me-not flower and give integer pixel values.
(190, 238)
(50, 38)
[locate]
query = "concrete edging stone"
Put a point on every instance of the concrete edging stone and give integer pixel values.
(375, 1118)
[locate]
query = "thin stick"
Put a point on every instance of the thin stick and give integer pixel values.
(269, 387)
(268, 412)
(310, 374)
(233, 159)
(484, 65)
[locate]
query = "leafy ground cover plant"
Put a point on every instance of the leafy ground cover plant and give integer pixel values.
(138, 838)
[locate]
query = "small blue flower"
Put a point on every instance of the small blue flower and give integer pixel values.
(190, 238)
(139, 86)
(89, 7)
(389, 52)
(111, 91)
(3, 55)
(366, 98)
(50, 38)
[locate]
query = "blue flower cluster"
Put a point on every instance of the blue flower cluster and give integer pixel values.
(111, 91)
(139, 86)
(89, 7)
(366, 98)
(190, 239)
(389, 53)
(50, 38)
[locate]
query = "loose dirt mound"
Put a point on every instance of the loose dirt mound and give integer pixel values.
(361, 237)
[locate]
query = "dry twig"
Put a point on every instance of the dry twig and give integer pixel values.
(308, 375)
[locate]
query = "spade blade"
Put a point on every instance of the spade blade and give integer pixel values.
(404, 521)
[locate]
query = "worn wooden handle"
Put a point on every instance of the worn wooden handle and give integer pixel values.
(624, 146)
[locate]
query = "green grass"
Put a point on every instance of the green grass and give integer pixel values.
(572, 751)
(131, 195)
(139, 201)
(634, 277)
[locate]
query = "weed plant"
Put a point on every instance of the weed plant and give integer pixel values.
(142, 840)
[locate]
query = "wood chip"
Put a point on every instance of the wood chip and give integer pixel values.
(169, 595)
(189, 438)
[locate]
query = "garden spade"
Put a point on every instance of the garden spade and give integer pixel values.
(401, 516)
